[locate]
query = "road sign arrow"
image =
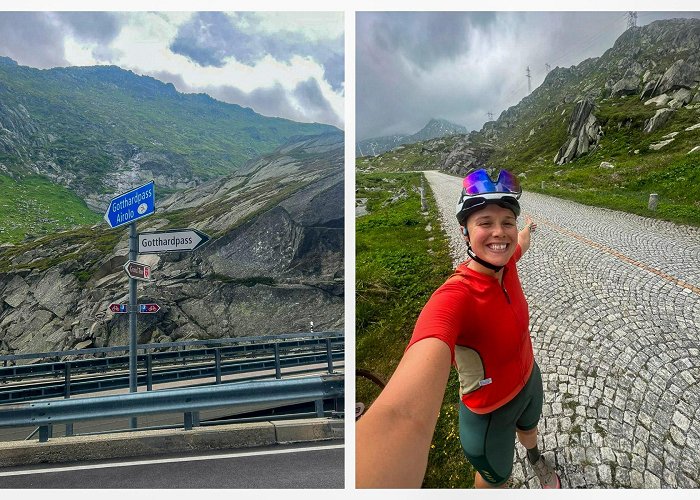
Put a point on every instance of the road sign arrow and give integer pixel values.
(149, 308)
(137, 270)
(174, 240)
(131, 206)
(119, 308)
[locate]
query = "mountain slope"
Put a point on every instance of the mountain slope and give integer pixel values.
(273, 265)
(433, 129)
(99, 130)
(608, 131)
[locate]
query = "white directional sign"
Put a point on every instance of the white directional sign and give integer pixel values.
(137, 270)
(175, 240)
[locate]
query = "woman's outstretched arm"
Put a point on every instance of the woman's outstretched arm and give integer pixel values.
(393, 438)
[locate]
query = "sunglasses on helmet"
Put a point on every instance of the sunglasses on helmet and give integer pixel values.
(480, 183)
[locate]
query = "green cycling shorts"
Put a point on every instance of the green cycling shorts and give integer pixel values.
(488, 440)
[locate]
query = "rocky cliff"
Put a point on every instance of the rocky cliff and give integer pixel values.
(273, 265)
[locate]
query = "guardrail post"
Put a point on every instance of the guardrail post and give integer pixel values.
(329, 354)
(191, 420)
(217, 363)
(278, 368)
(66, 395)
(45, 432)
(149, 372)
(319, 407)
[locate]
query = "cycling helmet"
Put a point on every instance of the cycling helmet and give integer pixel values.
(478, 190)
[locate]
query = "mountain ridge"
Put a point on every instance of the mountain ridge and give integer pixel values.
(435, 128)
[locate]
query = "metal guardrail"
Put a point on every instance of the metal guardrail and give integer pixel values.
(242, 344)
(228, 357)
(238, 397)
(216, 369)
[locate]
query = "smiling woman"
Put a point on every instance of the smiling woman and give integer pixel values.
(477, 321)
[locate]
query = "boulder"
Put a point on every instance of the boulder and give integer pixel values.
(679, 75)
(680, 98)
(658, 120)
(605, 164)
(659, 101)
(625, 86)
(648, 90)
(658, 145)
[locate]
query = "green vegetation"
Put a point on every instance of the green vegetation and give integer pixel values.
(89, 119)
(37, 206)
(399, 263)
(671, 171)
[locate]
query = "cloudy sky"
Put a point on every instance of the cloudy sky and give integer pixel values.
(280, 64)
(413, 66)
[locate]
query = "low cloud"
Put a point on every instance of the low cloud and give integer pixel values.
(210, 38)
(32, 39)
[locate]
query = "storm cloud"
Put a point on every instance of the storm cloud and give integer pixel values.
(31, 38)
(275, 100)
(462, 66)
(288, 65)
(209, 38)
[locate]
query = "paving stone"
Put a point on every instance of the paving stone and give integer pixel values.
(677, 436)
(651, 481)
(590, 473)
(681, 421)
(622, 477)
(669, 479)
(636, 479)
(638, 463)
(654, 465)
(605, 475)
(608, 455)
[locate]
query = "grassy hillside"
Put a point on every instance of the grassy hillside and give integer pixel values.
(84, 117)
(36, 206)
(672, 171)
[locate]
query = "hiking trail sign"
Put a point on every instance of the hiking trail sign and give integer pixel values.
(137, 270)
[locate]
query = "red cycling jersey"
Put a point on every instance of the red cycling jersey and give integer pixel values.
(486, 326)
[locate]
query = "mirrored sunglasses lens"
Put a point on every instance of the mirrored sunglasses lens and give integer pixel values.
(477, 182)
(508, 182)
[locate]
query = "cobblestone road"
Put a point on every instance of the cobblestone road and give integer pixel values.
(615, 322)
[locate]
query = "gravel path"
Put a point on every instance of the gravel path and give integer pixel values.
(615, 322)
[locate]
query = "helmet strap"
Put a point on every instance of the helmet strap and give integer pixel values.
(481, 261)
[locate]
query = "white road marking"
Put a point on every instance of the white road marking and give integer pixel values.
(168, 460)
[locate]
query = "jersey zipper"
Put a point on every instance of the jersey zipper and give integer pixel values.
(503, 286)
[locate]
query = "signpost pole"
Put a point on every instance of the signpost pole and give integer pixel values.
(133, 246)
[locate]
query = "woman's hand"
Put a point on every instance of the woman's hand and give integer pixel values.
(524, 235)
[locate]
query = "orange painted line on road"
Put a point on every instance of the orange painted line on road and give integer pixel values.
(621, 256)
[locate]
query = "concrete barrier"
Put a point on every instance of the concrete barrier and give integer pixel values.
(168, 441)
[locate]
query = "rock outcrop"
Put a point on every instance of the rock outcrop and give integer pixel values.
(584, 133)
(273, 265)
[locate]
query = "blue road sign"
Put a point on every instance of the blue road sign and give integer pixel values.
(131, 206)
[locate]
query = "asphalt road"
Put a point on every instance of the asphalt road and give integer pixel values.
(291, 466)
(614, 302)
